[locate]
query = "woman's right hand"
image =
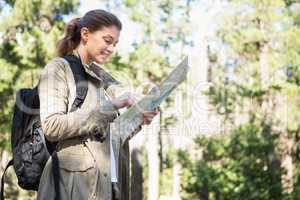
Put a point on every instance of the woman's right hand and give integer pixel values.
(125, 100)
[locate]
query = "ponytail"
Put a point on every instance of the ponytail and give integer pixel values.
(71, 38)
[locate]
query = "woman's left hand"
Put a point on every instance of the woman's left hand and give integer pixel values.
(148, 116)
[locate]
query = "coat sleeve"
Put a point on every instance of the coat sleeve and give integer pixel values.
(115, 90)
(57, 123)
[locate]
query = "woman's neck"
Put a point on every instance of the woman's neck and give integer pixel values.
(83, 54)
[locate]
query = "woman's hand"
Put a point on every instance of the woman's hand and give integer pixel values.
(125, 100)
(148, 116)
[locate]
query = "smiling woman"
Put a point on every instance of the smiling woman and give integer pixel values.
(82, 166)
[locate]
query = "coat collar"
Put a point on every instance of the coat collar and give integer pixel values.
(89, 69)
(97, 72)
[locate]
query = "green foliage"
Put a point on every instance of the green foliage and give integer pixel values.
(240, 166)
(166, 182)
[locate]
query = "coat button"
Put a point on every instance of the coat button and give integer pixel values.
(105, 174)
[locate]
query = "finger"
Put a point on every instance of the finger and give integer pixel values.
(150, 112)
(146, 122)
(147, 119)
(130, 101)
(150, 119)
(149, 115)
(157, 109)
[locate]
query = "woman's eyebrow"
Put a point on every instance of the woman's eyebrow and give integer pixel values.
(110, 37)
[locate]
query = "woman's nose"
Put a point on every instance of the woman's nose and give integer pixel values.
(111, 48)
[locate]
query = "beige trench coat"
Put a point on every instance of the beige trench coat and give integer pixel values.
(84, 157)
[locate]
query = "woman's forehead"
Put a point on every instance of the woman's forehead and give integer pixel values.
(111, 31)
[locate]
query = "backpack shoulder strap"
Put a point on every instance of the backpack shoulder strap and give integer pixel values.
(81, 91)
(80, 77)
(11, 162)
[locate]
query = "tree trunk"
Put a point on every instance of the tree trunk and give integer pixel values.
(153, 158)
(176, 179)
(287, 163)
(136, 175)
(273, 108)
(204, 194)
(160, 141)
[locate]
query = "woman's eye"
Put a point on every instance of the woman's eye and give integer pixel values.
(107, 41)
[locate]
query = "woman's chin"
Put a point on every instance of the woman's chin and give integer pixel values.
(100, 60)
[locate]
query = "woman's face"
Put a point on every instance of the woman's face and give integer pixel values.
(101, 44)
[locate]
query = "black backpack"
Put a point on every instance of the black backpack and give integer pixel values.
(30, 148)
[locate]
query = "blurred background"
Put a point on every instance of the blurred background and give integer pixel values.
(231, 131)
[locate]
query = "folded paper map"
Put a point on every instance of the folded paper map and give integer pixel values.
(127, 123)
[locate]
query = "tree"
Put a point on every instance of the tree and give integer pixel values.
(237, 167)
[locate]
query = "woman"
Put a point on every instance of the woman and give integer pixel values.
(83, 136)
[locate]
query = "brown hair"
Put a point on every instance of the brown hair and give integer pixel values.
(93, 20)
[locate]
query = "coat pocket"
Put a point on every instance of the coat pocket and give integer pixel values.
(75, 159)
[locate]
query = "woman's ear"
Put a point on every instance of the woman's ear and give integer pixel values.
(84, 32)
